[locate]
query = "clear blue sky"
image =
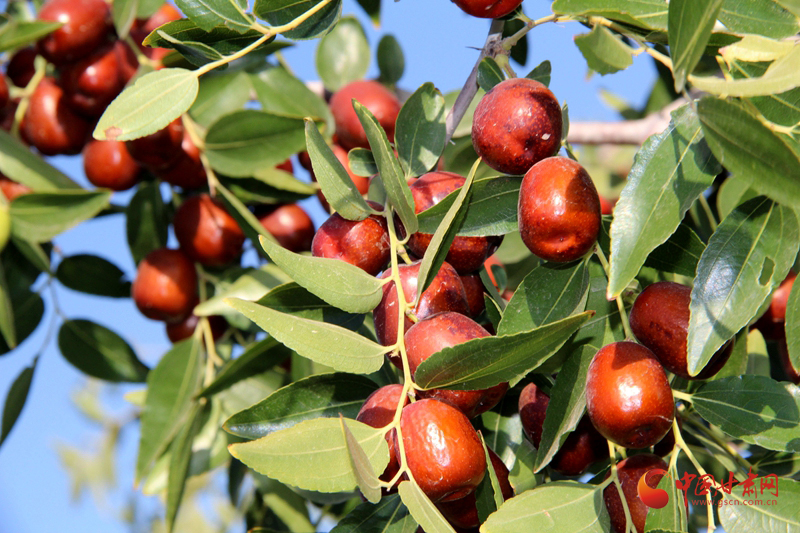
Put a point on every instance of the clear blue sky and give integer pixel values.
(438, 41)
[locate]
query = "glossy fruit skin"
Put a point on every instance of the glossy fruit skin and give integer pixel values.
(583, 446)
(363, 243)
(660, 320)
(771, 323)
(186, 170)
(558, 210)
(3, 91)
(516, 125)
(165, 287)
(20, 68)
(440, 331)
(473, 286)
(630, 470)
(466, 254)
(206, 232)
(11, 189)
(378, 412)
(185, 328)
(379, 100)
(628, 397)
(443, 450)
(290, 225)
(488, 9)
(51, 125)
(91, 83)
(143, 27)
(86, 24)
(463, 513)
(108, 164)
(445, 293)
(159, 150)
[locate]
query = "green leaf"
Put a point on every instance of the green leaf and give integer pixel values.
(146, 221)
(362, 163)
(149, 105)
(19, 163)
(339, 283)
(252, 228)
(440, 243)
(502, 428)
(755, 409)
(783, 108)
(123, 13)
(366, 478)
(492, 209)
(201, 46)
(792, 326)
(750, 150)
(648, 14)
(397, 191)
(242, 142)
(171, 385)
(147, 8)
(746, 258)
(566, 407)
(93, 275)
(391, 62)
(778, 78)
(766, 18)
(605, 52)
(551, 291)
(282, 93)
(210, 13)
(670, 171)
(312, 455)
(99, 352)
(180, 457)
(282, 180)
(541, 73)
(339, 190)
(605, 326)
(282, 12)
(521, 475)
(41, 216)
(387, 516)
(420, 131)
(518, 52)
(690, 25)
(252, 284)
(330, 345)
(489, 74)
(220, 94)
(672, 517)
(738, 515)
(559, 506)
(488, 494)
(422, 509)
(679, 254)
(343, 54)
(28, 309)
(8, 328)
(483, 363)
(18, 33)
(15, 399)
(323, 395)
(257, 359)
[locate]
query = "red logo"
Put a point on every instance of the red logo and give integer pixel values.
(655, 498)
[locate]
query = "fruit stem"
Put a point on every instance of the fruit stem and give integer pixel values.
(623, 314)
(22, 107)
(615, 479)
(511, 40)
(682, 396)
(700, 470)
(268, 33)
(470, 88)
(707, 209)
(730, 450)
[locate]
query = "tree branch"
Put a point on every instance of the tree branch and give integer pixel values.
(625, 132)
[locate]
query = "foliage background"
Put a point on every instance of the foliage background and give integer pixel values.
(36, 491)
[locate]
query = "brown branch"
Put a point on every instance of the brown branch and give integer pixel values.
(624, 132)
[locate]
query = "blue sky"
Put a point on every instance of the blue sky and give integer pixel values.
(439, 43)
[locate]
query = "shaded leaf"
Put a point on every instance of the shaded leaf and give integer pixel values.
(679, 254)
(605, 53)
(41, 216)
(323, 395)
(489, 74)
(93, 275)
(755, 409)
(180, 457)
(312, 455)
(282, 12)
(391, 62)
(343, 54)
(146, 221)
(210, 13)
(200, 46)
(99, 352)
(420, 131)
(220, 94)
(15, 399)
(780, 514)
(256, 359)
(483, 363)
(792, 326)
(541, 73)
(8, 327)
(366, 479)
(280, 92)
(782, 108)
(746, 258)
(671, 517)
(387, 516)
(690, 25)
(252, 284)
(670, 171)
(19, 163)
(422, 509)
(149, 105)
